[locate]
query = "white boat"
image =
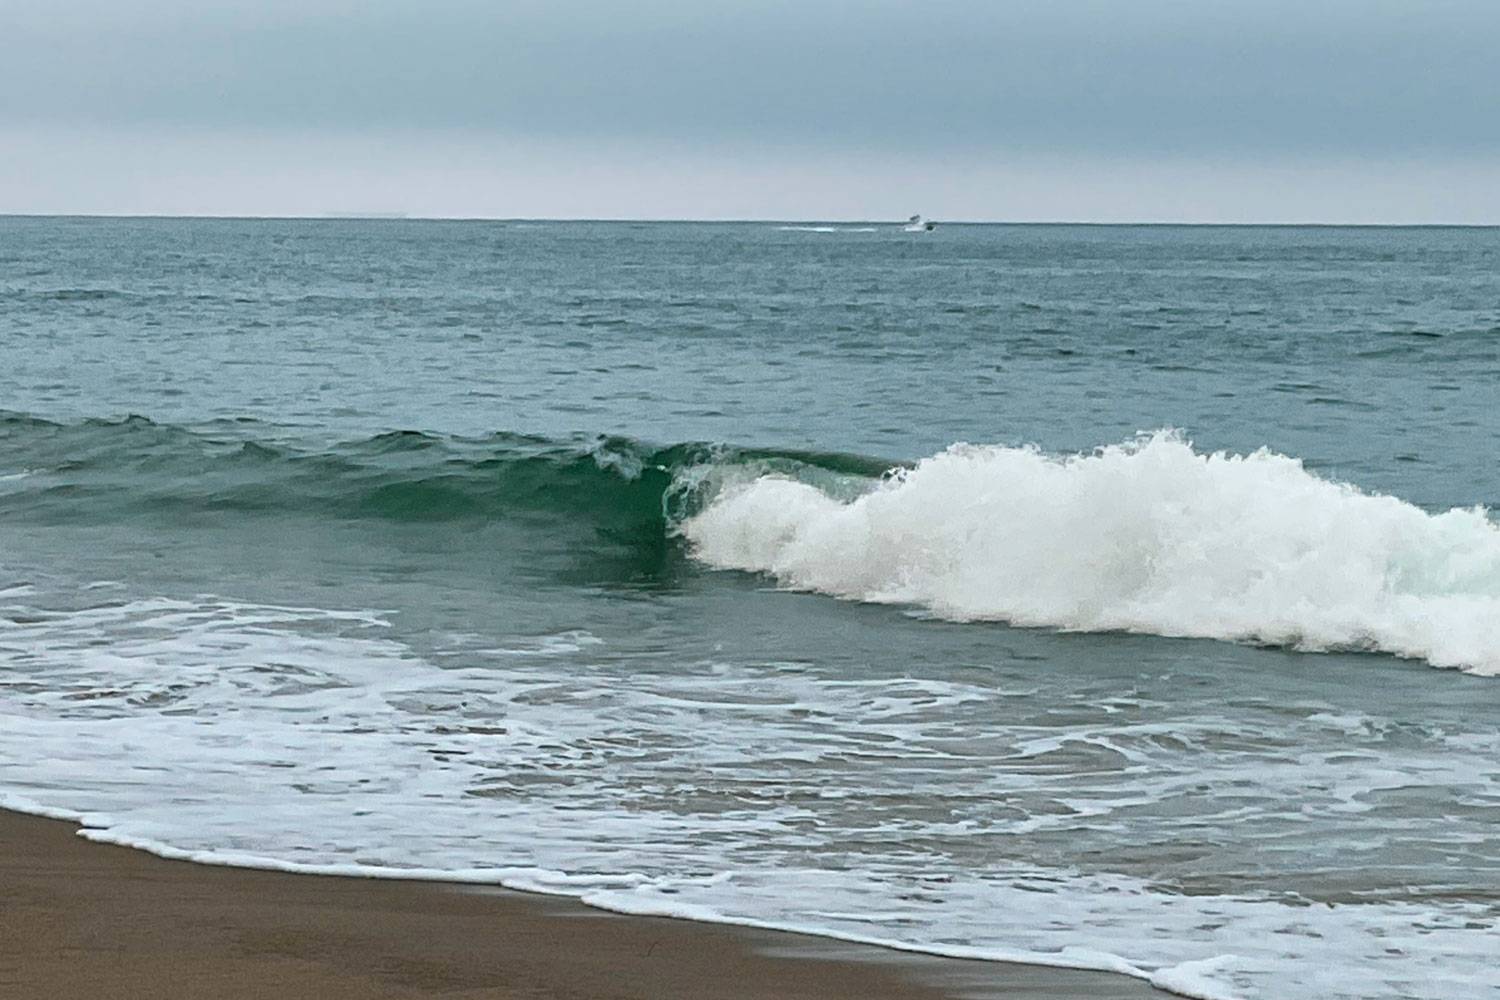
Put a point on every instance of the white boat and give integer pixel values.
(916, 224)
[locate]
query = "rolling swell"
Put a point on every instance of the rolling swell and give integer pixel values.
(628, 491)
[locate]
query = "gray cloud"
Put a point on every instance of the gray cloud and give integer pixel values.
(1084, 75)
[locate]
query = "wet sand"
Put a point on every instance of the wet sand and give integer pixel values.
(79, 919)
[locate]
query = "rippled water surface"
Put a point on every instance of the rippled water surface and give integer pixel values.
(636, 562)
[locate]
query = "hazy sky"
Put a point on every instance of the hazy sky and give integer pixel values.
(1202, 110)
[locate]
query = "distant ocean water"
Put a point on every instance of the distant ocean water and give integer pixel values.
(1065, 594)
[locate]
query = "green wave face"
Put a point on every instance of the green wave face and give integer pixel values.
(598, 497)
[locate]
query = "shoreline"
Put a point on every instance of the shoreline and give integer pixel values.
(85, 919)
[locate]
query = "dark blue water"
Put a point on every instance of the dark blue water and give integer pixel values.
(565, 555)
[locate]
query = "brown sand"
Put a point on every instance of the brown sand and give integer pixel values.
(107, 923)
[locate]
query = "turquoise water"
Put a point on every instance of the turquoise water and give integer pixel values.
(643, 562)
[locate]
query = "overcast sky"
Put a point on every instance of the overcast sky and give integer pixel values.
(1101, 110)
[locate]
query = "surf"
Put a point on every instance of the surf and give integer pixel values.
(1148, 536)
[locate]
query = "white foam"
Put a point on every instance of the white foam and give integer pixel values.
(827, 229)
(931, 814)
(1149, 536)
(1195, 979)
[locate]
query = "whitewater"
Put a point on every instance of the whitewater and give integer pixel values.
(244, 727)
(1148, 536)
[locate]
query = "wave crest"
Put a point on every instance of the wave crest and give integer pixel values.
(1149, 536)
(104, 470)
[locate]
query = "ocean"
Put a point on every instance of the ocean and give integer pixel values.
(1110, 597)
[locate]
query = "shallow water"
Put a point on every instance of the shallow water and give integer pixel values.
(566, 556)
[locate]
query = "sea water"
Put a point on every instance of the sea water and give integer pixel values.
(1121, 598)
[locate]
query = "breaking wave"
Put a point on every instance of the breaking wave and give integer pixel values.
(1149, 536)
(137, 468)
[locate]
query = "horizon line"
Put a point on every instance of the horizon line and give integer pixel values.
(375, 216)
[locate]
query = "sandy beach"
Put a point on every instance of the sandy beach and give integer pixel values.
(86, 920)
